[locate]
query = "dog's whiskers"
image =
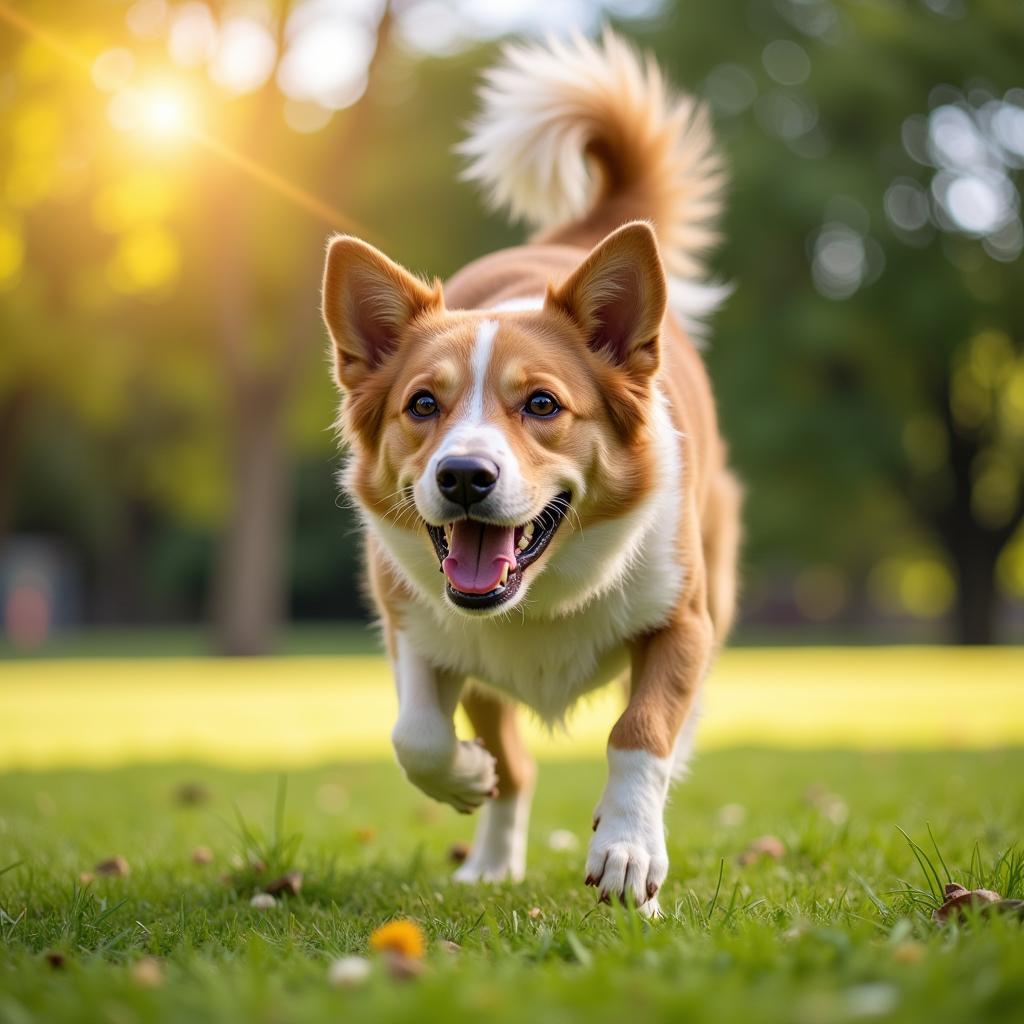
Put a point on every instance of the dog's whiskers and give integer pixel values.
(567, 510)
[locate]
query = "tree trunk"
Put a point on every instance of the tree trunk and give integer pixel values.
(972, 547)
(250, 592)
(251, 581)
(13, 414)
(974, 613)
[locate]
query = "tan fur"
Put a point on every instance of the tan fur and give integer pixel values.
(653, 151)
(667, 667)
(604, 344)
(496, 723)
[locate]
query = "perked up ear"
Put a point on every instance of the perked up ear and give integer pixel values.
(617, 296)
(367, 303)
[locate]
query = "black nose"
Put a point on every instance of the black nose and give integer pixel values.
(466, 479)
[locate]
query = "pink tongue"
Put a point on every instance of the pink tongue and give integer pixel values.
(477, 556)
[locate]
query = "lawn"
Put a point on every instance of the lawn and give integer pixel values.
(834, 930)
(305, 710)
(832, 751)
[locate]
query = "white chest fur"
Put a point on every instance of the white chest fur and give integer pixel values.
(600, 588)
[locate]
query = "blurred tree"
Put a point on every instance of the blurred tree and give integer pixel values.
(869, 363)
(160, 245)
(264, 345)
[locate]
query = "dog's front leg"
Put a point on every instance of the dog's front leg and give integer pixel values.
(628, 857)
(447, 769)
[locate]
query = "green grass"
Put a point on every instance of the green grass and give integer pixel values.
(838, 930)
(348, 637)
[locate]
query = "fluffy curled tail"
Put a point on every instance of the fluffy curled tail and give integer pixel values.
(549, 109)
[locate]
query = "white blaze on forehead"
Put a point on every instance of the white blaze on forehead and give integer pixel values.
(481, 359)
(470, 433)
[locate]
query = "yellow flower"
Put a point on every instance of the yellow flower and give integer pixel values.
(402, 936)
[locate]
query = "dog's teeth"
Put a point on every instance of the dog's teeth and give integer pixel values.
(504, 575)
(528, 532)
(524, 543)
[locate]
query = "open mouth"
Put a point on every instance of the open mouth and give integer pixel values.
(483, 563)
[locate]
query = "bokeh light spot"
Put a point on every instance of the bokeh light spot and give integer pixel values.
(145, 260)
(113, 69)
(246, 52)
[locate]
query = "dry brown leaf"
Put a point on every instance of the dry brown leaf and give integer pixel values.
(403, 968)
(762, 848)
(958, 899)
(458, 852)
(290, 884)
(191, 794)
(148, 972)
(116, 866)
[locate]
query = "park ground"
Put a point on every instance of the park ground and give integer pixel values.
(860, 755)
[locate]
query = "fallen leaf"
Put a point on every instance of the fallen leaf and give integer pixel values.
(148, 972)
(403, 968)
(191, 794)
(534, 912)
(762, 848)
(117, 866)
(289, 884)
(958, 899)
(458, 852)
(450, 947)
(86, 877)
(263, 901)
(202, 855)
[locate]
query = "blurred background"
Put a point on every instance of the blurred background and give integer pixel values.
(169, 173)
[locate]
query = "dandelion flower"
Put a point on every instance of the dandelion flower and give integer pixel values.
(403, 937)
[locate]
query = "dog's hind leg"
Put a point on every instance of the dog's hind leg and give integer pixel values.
(499, 850)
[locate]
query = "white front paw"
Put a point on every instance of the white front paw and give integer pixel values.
(464, 779)
(627, 859)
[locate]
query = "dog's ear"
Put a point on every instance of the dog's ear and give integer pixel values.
(617, 297)
(367, 302)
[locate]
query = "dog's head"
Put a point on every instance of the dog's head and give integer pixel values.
(488, 431)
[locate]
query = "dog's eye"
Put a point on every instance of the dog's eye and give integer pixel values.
(422, 405)
(541, 403)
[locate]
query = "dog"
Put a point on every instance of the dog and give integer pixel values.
(535, 457)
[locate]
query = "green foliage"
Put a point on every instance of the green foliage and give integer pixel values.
(853, 406)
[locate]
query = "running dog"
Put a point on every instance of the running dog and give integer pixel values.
(535, 457)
